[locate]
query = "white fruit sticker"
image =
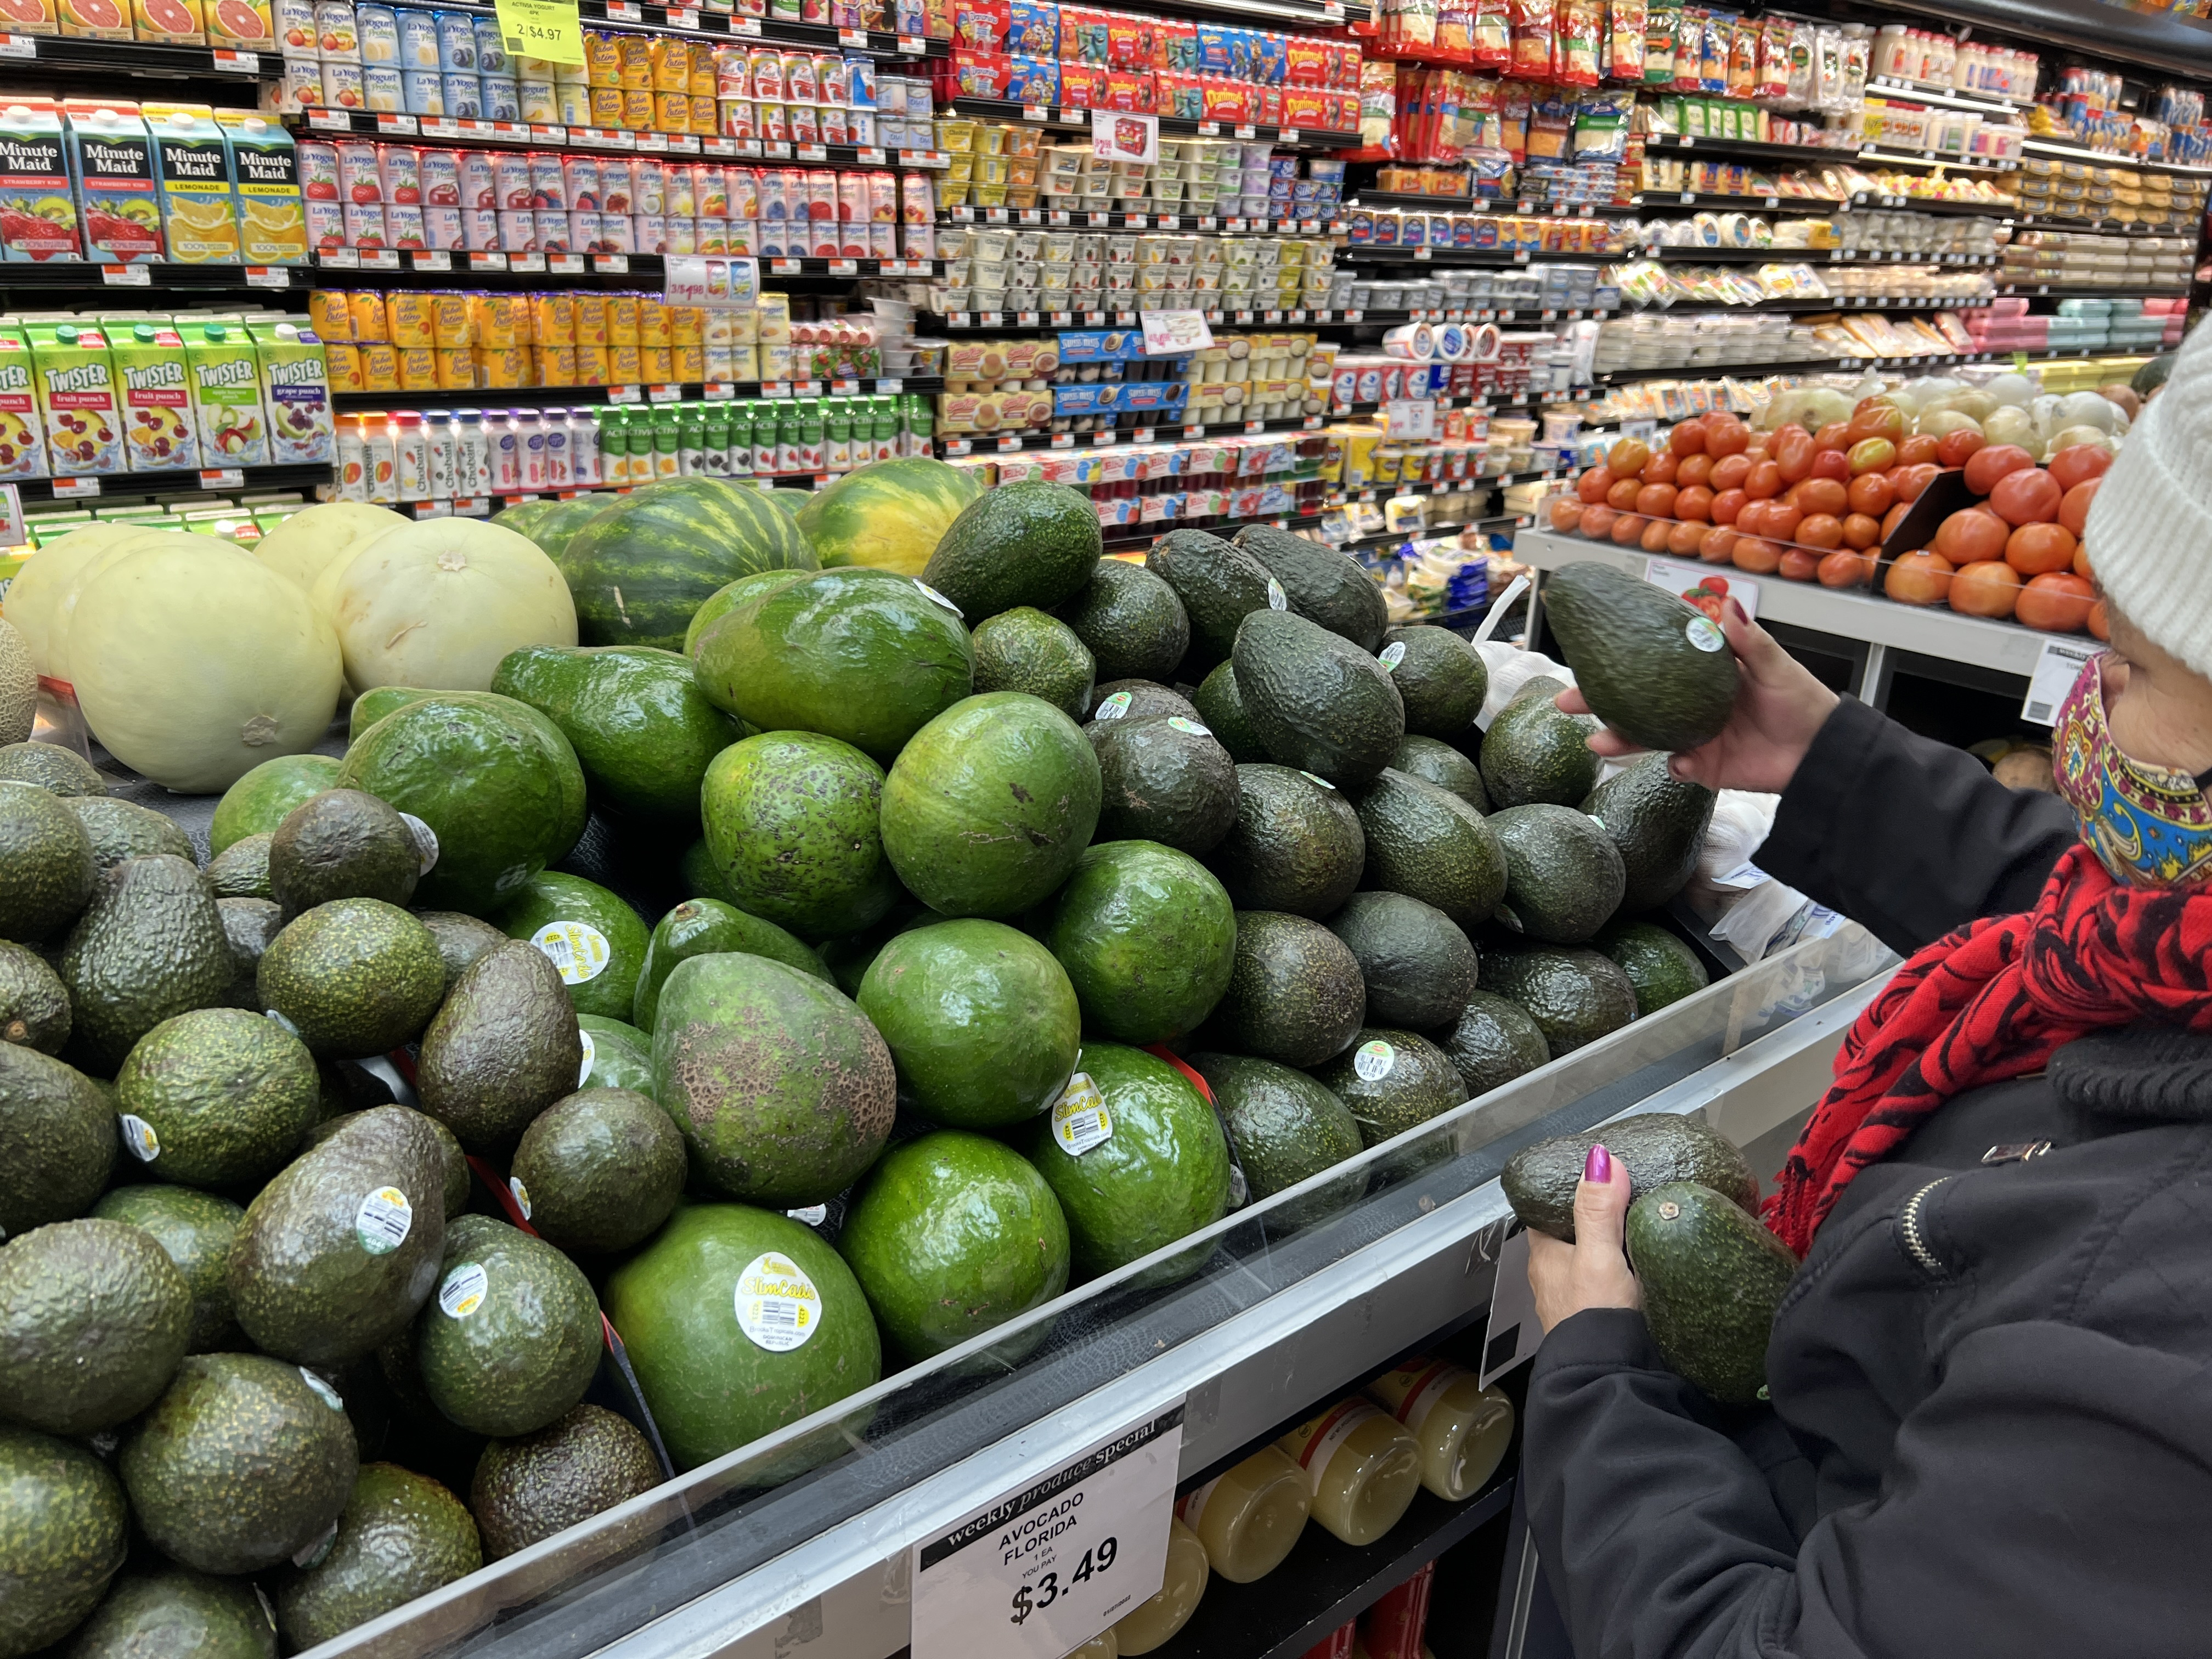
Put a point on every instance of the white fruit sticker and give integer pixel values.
(1393, 654)
(329, 1394)
(1080, 1118)
(426, 843)
(1113, 707)
(590, 1054)
(285, 1022)
(1318, 778)
(267, 1612)
(931, 593)
(1239, 1189)
(1374, 1059)
(139, 1138)
(778, 1306)
(579, 949)
(1704, 633)
(1191, 726)
(461, 1291)
(814, 1215)
(521, 1195)
(1276, 599)
(312, 1554)
(384, 1220)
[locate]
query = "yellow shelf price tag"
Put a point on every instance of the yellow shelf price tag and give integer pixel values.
(542, 28)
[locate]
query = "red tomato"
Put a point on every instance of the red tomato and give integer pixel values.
(1765, 482)
(1831, 436)
(1693, 502)
(1627, 456)
(1990, 463)
(2035, 549)
(1726, 435)
(1655, 501)
(1920, 446)
(1875, 420)
(2081, 561)
(1792, 449)
(1597, 522)
(1832, 464)
(1660, 469)
(1910, 480)
(1861, 530)
(1696, 469)
(1871, 493)
(1921, 578)
(1972, 535)
(1689, 438)
(1656, 533)
(1822, 530)
(1718, 541)
(1894, 518)
(1622, 496)
(2101, 623)
(1627, 529)
(1871, 455)
(1683, 537)
(1727, 503)
(1845, 568)
(1593, 483)
(1781, 521)
(1957, 446)
(2077, 463)
(2074, 505)
(2057, 603)
(1823, 495)
(2029, 496)
(1566, 512)
(1799, 564)
(1730, 471)
(1988, 589)
(1761, 558)
(1751, 519)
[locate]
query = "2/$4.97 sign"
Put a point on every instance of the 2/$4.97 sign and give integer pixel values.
(1040, 1573)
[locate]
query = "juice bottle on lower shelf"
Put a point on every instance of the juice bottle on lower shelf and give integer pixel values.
(1463, 1428)
(1248, 1516)
(1150, 1624)
(1363, 1466)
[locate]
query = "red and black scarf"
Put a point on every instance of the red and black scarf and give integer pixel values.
(1992, 1001)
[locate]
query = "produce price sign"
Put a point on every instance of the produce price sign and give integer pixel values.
(713, 284)
(1046, 1568)
(1119, 136)
(2056, 667)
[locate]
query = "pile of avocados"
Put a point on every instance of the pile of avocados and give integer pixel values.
(977, 935)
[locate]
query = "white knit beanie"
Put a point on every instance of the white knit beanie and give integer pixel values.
(2149, 533)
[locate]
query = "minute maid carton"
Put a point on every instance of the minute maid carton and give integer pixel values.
(199, 209)
(272, 213)
(37, 200)
(115, 158)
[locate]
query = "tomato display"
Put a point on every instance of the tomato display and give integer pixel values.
(2059, 602)
(2027, 496)
(1922, 578)
(1989, 588)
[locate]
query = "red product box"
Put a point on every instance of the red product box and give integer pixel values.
(1269, 105)
(1174, 43)
(1308, 109)
(1081, 85)
(980, 74)
(1348, 80)
(1082, 35)
(1126, 89)
(1128, 41)
(979, 25)
(1306, 61)
(1179, 93)
(1227, 99)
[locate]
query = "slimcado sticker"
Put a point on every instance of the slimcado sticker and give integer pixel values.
(1080, 1118)
(778, 1307)
(579, 949)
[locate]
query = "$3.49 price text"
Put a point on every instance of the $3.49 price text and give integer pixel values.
(1097, 1560)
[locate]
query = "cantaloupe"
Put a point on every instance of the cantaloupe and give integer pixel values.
(438, 604)
(19, 686)
(312, 539)
(194, 662)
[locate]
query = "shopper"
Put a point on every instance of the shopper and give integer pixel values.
(1992, 1427)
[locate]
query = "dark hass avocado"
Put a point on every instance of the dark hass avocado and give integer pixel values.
(460, 940)
(174, 1610)
(1429, 844)
(1655, 1147)
(401, 1536)
(1435, 762)
(1282, 1127)
(1220, 708)
(35, 1009)
(1026, 650)
(1653, 669)
(1163, 778)
(221, 1097)
(57, 1139)
(1295, 994)
(1135, 700)
(512, 1338)
(1131, 621)
(1534, 752)
(1660, 966)
(121, 830)
(63, 1532)
(1563, 873)
(150, 945)
(1418, 966)
(1712, 1276)
(1219, 583)
(1323, 585)
(1658, 822)
(1441, 677)
(353, 978)
(598, 1170)
(241, 869)
(50, 767)
(196, 1228)
(1318, 701)
(252, 926)
(1575, 996)
(503, 1048)
(341, 844)
(1493, 1041)
(47, 853)
(93, 1318)
(1296, 845)
(1391, 1081)
(529, 1488)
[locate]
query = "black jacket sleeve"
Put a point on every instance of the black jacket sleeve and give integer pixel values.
(1907, 836)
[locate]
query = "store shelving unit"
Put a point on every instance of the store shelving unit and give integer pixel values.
(1069, 119)
(525, 134)
(132, 486)
(647, 396)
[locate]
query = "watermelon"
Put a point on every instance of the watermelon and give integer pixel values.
(552, 529)
(639, 568)
(522, 517)
(790, 500)
(889, 514)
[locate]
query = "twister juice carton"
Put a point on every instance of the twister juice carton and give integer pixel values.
(37, 205)
(297, 390)
(153, 384)
(191, 161)
(272, 208)
(114, 154)
(75, 380)
(23, 450)
(226, 382)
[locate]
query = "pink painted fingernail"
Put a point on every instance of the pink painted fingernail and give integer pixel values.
(1598, 1166)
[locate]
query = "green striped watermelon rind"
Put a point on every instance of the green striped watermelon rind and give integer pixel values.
(640, 566)
(881, 514)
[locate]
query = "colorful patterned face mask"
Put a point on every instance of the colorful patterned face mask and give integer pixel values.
(2149, 826)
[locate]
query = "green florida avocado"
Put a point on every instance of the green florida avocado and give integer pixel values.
(241, 869)
(1161, 1172)
(1575, 996)
(57, 1139)
(1130, 621)
(1655, 1147)
(802, 1337)
(1321, 584)
(1148, 937)
(510, 1342)
(1134, 700)
(986, 811)
(728, 598)
(620, 1056)
(1220, 708)
(597, 1171)
(461, 939)
(1660, 966)
(35, 1009)
(150, 945)
(401, 1536)
(952, 1234)
(1295, 994)
(338, 1253)
(173, 1609)
(342, 844)
(50, 767)
(705, 926)
(47, 853)
(1163, 778)
(1296, 845)
(260, 801)
(642, 730)
(1534, 752)
(1441, 677)
(1658, 822)
(197, 1229)
(594, 939)
(1438, 762)
(783, 1089)
(529, 1488)
(1429, 844)
(1563, 873)
(1283, 1127)
(1026, 650)
(1712, 1276)
(353, 978)
(121, 830)
(1219, 583)
(980, 1020)
(1650, 667)
(373, 705)
(1391, 1081)
(503, 1048)
(63, 1532)
(1492, 1042)
(793, 823)
(1318, 701)
(216, 1097)
(1418, 967)
(93, 1318)
(1020, 544)
(242, 1464)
